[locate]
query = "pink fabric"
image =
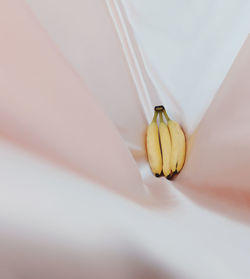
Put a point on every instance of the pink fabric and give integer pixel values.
(47, 109)
(217, 169)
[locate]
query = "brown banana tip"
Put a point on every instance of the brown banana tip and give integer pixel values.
(157, 175)
(159, 108)
(170, 176)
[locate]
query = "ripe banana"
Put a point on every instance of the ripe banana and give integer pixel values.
(178, 145)
(165, 147)
(153, 146)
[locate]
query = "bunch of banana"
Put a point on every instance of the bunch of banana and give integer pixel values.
(166, 145)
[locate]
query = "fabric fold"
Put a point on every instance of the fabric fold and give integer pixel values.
(217, 169)
(47, 108)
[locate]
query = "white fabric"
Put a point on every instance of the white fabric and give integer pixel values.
(132, 55)
(188, 48)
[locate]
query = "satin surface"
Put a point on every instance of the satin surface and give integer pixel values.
(77, 85)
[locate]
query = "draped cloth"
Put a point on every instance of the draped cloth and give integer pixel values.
(78, 83)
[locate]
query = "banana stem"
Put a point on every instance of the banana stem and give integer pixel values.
(161, 118)
(166, 115)
(155, 116)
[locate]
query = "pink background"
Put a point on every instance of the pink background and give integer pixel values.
(75, 184)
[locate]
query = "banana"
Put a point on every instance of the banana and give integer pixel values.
(165, 146)
(153, 146)
(178, 145)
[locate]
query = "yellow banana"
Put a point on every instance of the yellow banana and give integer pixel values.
(182, 150)
(153, 146)
(165, 146)
(178, 145)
